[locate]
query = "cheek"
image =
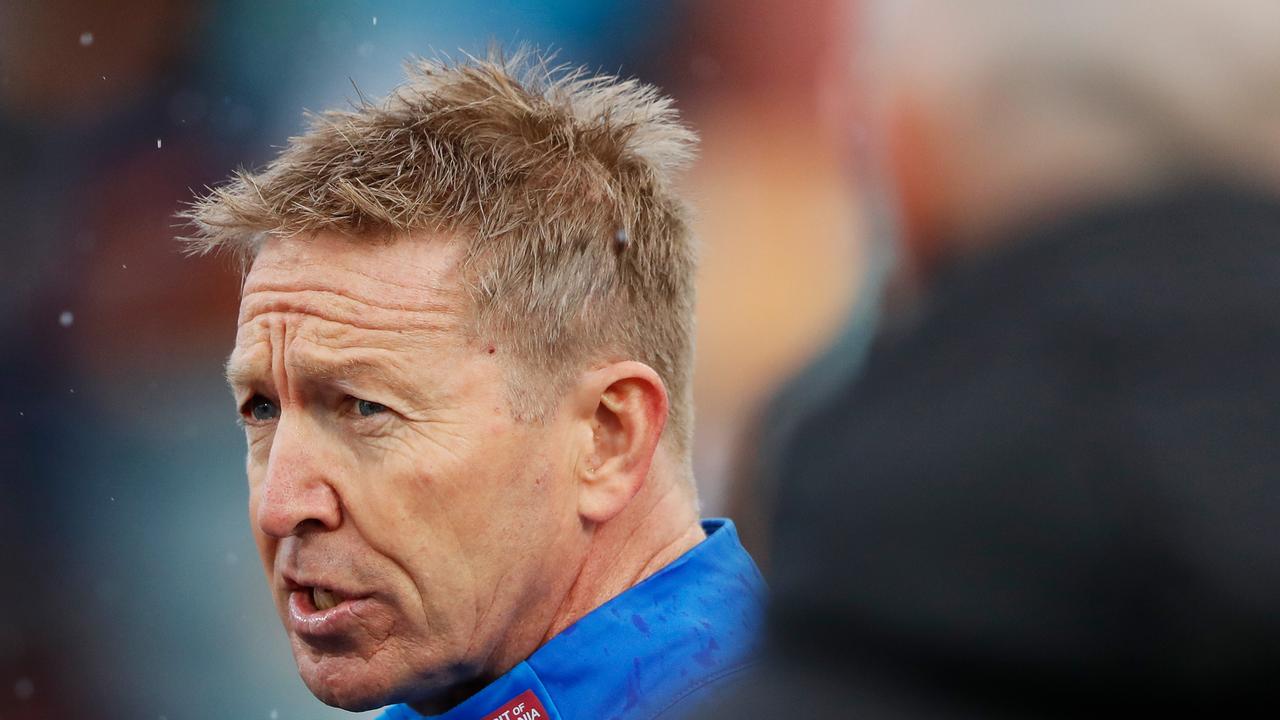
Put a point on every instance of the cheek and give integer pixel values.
(400, 511)
(387, 491)
(507, 483)
(457, 509)
(526, 504)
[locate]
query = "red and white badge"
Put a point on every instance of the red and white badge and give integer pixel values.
(525, 706)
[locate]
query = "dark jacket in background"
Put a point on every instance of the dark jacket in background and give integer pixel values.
(1057, 492)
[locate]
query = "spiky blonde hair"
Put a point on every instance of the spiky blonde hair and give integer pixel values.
(559, 183)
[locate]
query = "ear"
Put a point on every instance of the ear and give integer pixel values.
(624, 407)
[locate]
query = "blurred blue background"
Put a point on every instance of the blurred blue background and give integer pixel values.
(131, 588)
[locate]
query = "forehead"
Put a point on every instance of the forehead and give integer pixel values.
(397, 273)
(346, 302)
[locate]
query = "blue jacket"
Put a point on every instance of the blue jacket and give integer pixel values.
(655, 651)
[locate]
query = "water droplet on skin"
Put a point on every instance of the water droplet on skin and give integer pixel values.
(621, 240)
(86, 39)
(66, 318)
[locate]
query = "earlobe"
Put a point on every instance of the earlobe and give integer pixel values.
(627, 423)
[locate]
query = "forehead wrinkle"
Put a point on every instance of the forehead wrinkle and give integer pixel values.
(310, 368)
(322, 350)
(408, 297)
(373, 274)
(244, 366)
(344, 308)
(352, 364)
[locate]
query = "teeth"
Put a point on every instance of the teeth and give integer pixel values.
(323, 599)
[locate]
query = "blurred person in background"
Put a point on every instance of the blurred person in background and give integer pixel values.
(1054, 488)
(463, 366)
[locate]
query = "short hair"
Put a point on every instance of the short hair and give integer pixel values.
(558, 182)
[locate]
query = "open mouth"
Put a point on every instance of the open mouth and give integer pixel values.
(324, 599)
(316, 611)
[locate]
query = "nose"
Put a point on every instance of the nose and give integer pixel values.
(297, 494)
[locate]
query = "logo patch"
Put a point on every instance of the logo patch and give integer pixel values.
(525, 706)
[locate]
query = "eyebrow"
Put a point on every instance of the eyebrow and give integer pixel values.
(245, 375)
(237, 375)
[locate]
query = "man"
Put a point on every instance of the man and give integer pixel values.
(1053, 489)
(463, 368)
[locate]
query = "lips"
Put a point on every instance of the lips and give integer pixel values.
(321, 594)
(320, 609)
(317, 600)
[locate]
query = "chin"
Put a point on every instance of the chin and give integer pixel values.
(350, 683)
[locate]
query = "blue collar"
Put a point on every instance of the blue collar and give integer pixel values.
(662, 645)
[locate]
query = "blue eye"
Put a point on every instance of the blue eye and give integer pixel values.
(262, 409)
(367, 408)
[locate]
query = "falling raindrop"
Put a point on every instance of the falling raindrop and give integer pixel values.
(157, 143)
(274, 714)
(86, 38)
(375, 20)
(24, 688)
(66, 318)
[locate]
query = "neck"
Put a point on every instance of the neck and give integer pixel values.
(658, 526)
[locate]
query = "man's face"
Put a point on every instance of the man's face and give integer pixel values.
(415, 535)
